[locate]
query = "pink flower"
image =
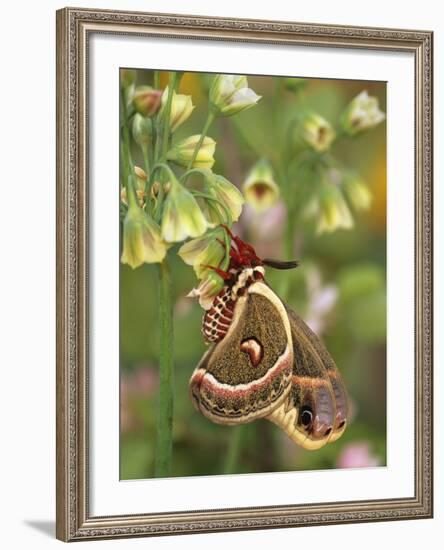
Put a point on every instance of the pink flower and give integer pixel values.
(321, 300)
(357, 455)
(266, 227)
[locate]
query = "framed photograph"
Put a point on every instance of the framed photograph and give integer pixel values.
(244, 274)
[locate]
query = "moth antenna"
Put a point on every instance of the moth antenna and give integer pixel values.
(279, 264)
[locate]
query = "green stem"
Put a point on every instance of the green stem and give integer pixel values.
(204, 172)
(131, 193)
(146, 159)
(164, 441)
(126, 149)
(156, 80)
(234, 450)
(160, 166)
(228, 220)
(207, 124)
(165, 132)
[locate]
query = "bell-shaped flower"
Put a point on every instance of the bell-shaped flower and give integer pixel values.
(182, 216)
(333, 212)
(357, 192)
(181, 108)
(230, 94)
(260, 189)
(207, 250)
(227, 194)
(142, 240)
(182, 152)
(207, 290)
(361, 114)
(316, 132)
(146, 100)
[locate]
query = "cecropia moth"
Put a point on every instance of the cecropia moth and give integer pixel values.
(264, 361)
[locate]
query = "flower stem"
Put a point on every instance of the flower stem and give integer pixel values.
(164, 442)
(234, 449)
(207, 124)
(156, 81)
(165, 134)
(125, 147)
(146, 159)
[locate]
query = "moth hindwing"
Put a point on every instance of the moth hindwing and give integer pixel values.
(315, 412)
(248, 373)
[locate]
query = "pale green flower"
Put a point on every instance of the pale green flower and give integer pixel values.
(181, 108)
(229, 195)
(146, 100)
(207, 290)
(207, 250)
(182, 152)
(333, 212)
(142, 241)
(260, 189)
(361, 114)
(230, 94)
(181, 216)
(357, 192)
(316, 132)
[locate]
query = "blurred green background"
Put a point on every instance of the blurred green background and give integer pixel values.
(339, 289)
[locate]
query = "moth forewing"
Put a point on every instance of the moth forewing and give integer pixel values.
(248, 373)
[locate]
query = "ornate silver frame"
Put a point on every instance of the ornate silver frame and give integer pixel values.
(74, 521)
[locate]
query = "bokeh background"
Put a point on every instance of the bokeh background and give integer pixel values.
(339, 289)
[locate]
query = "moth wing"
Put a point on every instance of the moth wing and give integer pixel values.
(248, 373)
(316, 410)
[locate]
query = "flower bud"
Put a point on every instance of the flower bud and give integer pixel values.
(142, 241)
(182, 216)
(296, 85)
(140, 183)
(229, 94)
(181, 108)
(142, 130)
(260, 189)
(182, 152)
(141, 177)
(361, 114)
(207, 290)
(204, 251)
(314, 131)
(357, 192)
(155, 188)
(229, 195)
(333, 210)
(146, 100)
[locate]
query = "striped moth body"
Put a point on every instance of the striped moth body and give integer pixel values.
(263, 361)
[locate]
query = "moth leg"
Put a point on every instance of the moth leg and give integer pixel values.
(224, 274)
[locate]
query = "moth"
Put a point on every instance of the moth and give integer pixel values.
(263, 360)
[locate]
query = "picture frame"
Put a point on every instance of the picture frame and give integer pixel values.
(76, 466)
